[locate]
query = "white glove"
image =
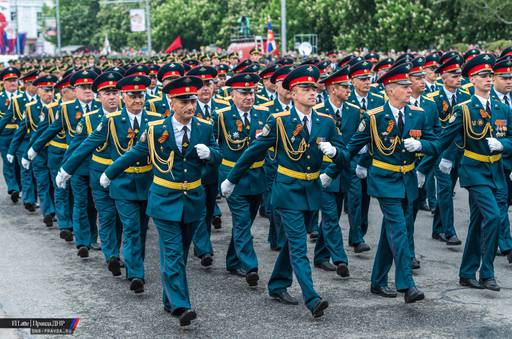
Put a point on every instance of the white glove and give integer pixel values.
(104, 180)
(327, 149)
(31, 154)
(412, 145)
(361, 172)
(25, 163)
(325, 180)
(421, 179)
(445, 166)
(10, 158)
(226, 188)
(494, 145)
(203, 151)
(61, 178)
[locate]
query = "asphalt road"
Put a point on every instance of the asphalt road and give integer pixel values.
(41, 276)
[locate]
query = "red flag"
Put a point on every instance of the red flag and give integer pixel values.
(176, 44)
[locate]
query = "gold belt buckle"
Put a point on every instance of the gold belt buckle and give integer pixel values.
(309, 176)
(490, 159)
(184, 186)
(136, 170)
(402, 169)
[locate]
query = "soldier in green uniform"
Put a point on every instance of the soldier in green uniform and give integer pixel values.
(36, 112)
(300, 137)
(179, 147)
(166, 74)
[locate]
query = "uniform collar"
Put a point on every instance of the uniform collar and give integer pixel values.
(178, 126)
(201, 105)
(483, 101)
(360, 98)
(283, 105)
(334, 107)
(448, 93)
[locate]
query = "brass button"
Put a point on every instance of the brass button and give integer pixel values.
(185, 192)
(308, 157)
(308, 168)
(185, 170)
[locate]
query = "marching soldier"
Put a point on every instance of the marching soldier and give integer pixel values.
(206, 106)
(358, 198)
(179, 147)
(9, 77)
(110, 228)
(429, 67)
(329, 245)
(300, 138)
(166, 74)
(391, 177)
(446, 173)
(36, 112)
(237, 127)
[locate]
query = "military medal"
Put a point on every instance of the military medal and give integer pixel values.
(41, 117)
(235, 135)
(7, 102)
(296, 131)
(480, 122)
(143, 137)
(362, 126)
(500, 127)
(445, 106)
(163, 137)
(391, 124)
(239, 126)
(452, 118)
(258, 133)
(78, 115)
(166, 113)
(484, 114)
(79, 128)
(415, 133)
(130, 134)
(265, 131)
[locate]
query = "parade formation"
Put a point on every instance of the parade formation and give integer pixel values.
(104, 148)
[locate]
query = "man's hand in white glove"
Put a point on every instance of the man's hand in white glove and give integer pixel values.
(104, 180)
(25, 163)
(327, 149)
(421, 179)
(445, 166)
(412, 145)
(494, 145)
(31, 154)
(61, 178)
(325, 180)
(10, 158)
(361, 172)
(203, 151)
(226, 188)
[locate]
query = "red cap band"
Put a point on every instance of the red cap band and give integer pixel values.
(46, 84)
(302, 80)
(9, 75)
(396, 78)
(479, 68)
(133, 88)
(84, 81)
(246, 84)
(171, 74)
(360, 72)
(450, 68)
(189, 90)
(338, 79)
(106, 84)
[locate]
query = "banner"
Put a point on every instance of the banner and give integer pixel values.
(176, 44)
(137, 20)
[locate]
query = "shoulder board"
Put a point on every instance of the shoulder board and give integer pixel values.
(415, 108)
(466, 86)
(376, 95)
(18, 96)
(464, 102)
(375, 84)
(266, 104)
(351, 104)
(261, 108)
(282, 114)
(54, 104)
(153, 114)
(324, 115)
(156, 122)
(114, 114)
(262, 97)
(91, 113)
(67, 102)
(204, 120)
(31, 103)
(318, 106)
(221, 101)
(464, 91)
(433, 94)
(154, 99)
(227, 98)
(375, 110)
(426, 97)
(224, 109)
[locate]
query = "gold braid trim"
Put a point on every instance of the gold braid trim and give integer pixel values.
(238, 144)
(155, 158)
(374, 133)
(468, 130)
(293, 154)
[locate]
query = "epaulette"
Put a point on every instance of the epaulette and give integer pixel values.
(463, 103)
(415, 108)
(53, 104)
(281, 114)
(324, 115)
(464, 91)
(351, 105)
(224, 109)
(153, 114)
(375, 84)
(154, 99)
(67, 102)
(114, 114)
(261, 108)
(375, 110)
(318, 106)
(204, 120)
(433, 94)
(156, 122)
(466, 86)
(268, 103)
(31, 103)
(262, 97)
(91, 113)
(427, 98)
(377, 95)
(17, 96)
(221, 101)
